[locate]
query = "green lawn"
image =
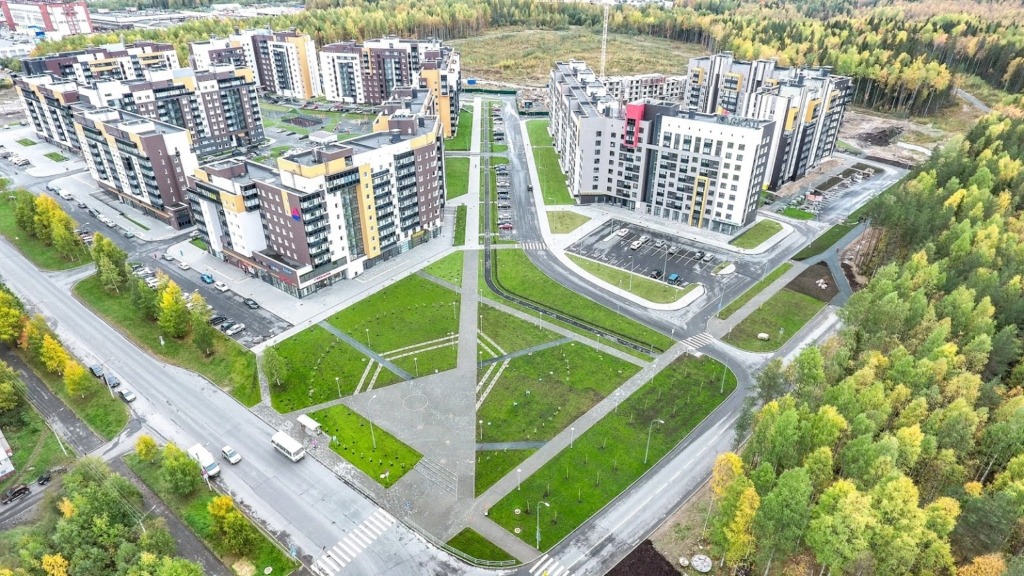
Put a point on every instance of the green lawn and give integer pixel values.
(552, 179)
(471, 543)
(461, 141)
(493, 465)
(34, 445)
(412, 311)
(314, 358)
(519, 276)
(797, 214)
(563, 221)
(754, 291)
(609, 457)
(231, 366)
(825, 241)
(786, 310)
(426, 361)
(56, 156)
(456, 177)
(448, 268)
(461, 213)
(356, 444)
(104, 412)
(647, 288)
(193, 511)
(757, 235)
(27, 142)
(510, 332)
(496, 160)
(539, 395)
(43, 256)
(198, 243)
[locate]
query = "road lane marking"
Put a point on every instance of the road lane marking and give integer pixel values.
(356, 541)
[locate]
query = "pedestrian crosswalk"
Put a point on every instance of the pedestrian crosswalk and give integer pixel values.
(699, 340)
(533, 245)
(332, 561)
(548, 566)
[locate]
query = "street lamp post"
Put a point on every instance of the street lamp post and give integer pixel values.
(572, 435)
(367, 337)
(538, 521)
(416, 361)
(649, 429)
(632, 270)
(373, 437)
(338, 384)
(455, 315)
(519, 478)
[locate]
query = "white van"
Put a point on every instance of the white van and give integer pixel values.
(205, 460)
(288, 446)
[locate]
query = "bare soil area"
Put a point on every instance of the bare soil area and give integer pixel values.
(881, 136)
(856, 256)
(681, 534)
(644, 560)
(807, 283)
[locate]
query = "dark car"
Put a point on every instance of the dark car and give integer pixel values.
(112, 381)
(92, 212)
(251, 303)
(82, 205)
(45, 478)
(226, 325)
(206, 278)
(218, 320)
(96, 370)
(15, 493)
(657, 274)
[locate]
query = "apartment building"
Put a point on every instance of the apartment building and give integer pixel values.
(644, 86)
(325, 214)
(806, 104)
(702, 170)
(109, 62)
(285, 63)
(140, 161)
(218, 106)
(218, 52)
(57, 18)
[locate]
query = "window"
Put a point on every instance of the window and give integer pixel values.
(743, 147)
(739, 157)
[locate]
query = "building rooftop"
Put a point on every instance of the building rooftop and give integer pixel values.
(376, 140)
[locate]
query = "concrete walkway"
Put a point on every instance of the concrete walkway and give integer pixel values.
(525, 351)
(364, 349)
(509, 445)
(719, 328)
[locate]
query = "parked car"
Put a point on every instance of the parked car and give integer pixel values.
(184, 265)
(235, 329)
(44, 478)
(218, 320)
(127, 395)
(708, 258)
(220, 286)
(659, 243)
(623, 232)
(81, 204)
(699, 255)
(96, 370)
(230, 455)
(206, 278)
(65, 194)
(15, 493)
(112, 381)
(252, 304)
(672, 248)
(226, 325)
(657, 274)
(674, 279)
(636, 245)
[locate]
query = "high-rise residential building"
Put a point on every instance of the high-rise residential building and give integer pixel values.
(110, 62)
(218, 106)
(644, 86)
(218, 52)
(285, 63)
(140, 161)
(371, 72)
(328, 213)
(806, 104)
(57, 18)
(698, 169)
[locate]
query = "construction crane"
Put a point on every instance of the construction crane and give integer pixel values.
(604, 40)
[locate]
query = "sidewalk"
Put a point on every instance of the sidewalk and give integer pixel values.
(85, 189)
(719, 328)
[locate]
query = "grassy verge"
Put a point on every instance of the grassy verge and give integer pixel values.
(56, 156)
(797, 214)
(198, 243)
(509, 332)
(410, 312)
(754, 291)
(825, 241)
(493, 465)
(26, 142)
(102, 411)
(193, 512)
(34, 445)
(552, 179)
(463, 134)
(456, 171)
(652, 290)
(563, 222)
(473, 544)
(437, 358)
(378, 454)
(231, 366)
(320, 367)
(610, 456)
(41, 255)
(137, 223)
(519, 276)
(448, 268)
(757, 235)
(460, 225)
(786, 310)
(539, 395)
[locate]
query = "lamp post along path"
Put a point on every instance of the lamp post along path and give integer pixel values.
(650, 428)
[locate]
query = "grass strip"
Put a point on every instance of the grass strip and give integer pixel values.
(825, 241)
(564, 221)
(56, 156)
(41, 255)
(757, 235)
(461, 213)
(797, 214)
(456, 171)
(369, 448)
(471, 543)
(493, 465)
(754, 290)
(647, 288)
(781, 316)
(552, 179)
(463, 134)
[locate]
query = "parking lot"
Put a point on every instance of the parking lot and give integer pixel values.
(662, 252)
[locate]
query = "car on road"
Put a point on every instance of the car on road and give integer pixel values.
(167, 256)
(184, 265)
(44, 478)
(623, 232)
(112, 381)
(127, 395)
(230, 455)
(15, 493)
(657, 274)
(92, 212)
(96, 370)
(82, 205)
(110, 223)
(128, 234)
(252, 304)
(235, 329)
(220, 286)
(218, 320)
(206, 278)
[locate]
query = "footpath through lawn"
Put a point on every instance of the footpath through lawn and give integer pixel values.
(754, 290)
(610, 456)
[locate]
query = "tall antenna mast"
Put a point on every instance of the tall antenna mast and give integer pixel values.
(604, 40)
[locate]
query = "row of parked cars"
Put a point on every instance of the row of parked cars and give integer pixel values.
(13, 158)
(504, 198)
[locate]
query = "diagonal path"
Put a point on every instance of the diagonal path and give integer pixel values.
(365, 350)
(525, 351)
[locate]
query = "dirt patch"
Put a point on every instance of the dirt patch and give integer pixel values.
(809, 283)
(856, 256)
(880, 136)
(244, 568)
(644, 560)
(305, 121)
(681, 535)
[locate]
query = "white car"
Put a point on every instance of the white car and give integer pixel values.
(184, 266)
(235, 329)
(220, 286)
(230, 455)
(623, 232)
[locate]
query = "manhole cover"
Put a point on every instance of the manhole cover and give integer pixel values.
(415, 402)
(518, 511)
(701, 563)
(517, 530)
